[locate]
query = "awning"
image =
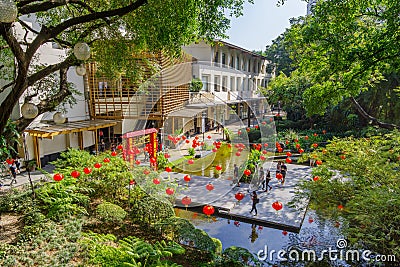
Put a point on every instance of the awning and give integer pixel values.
(186, 112)
(45, 130)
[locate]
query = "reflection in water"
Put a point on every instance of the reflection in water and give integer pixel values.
(254, 234)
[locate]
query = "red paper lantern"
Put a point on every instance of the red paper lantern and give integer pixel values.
(340, 206)
(263, 123)
(288, 154)
(106, 160)
(218, 167)
(343, 157)
(237, 154)
(306, 137)
(97, 165)
(288, 160)
(262, 158)
(280, 149)
(297, 146)
(75, 174)
(287, 142)
(120, 147)
(315, 134)
(186, 201)
(146, 172)
(247, 172)
(58, 177)
(315, 145)
(266, 145)
(209, 136)
(284, 232)
(168, 169)
(248, 129)
(197, 138)
(209, 187)
(256, 126)
(301, 150)
(316, 178)
(169, 191)
(296, 140)
(167, 156)
(132, 182)
(214, 150)
(190, 161)
(310, 220)
(264, 152)
(277, 205)
(279, 176)
(10, 161)
(156, 181)
(208, 210)
(153, 160)
(229, 146)
(114, 153)
(239, 196)
(324, 131)
(87, 170)
(187, 178)
(318, 162)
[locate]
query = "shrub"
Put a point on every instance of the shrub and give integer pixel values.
(108, 213)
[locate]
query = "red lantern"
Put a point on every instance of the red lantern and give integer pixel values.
(106, 160)
(87, 170)
(301, 150)
(310, 220)
(190, 161)
(318, 162)
(306, 137)
(315, 134)
(296, 140)
(324, 131)
(167, 156)
(209, 187)
(146, 172)
(153, 161)
(280, 149)
(114, 153)
(168, 169)
(284, 232)
(239, 132)
(156, 181)
(315, 145)
(247, 172)
(340, 206)
(187, 141)
(137, 162)
(209, 136)
(271, 119)
(287, 142)
(187, 178)
(218, 167)
(266, 145)
(263, 123)
(343, 157)
(229, 146)
(279, 176)
(264, 152)
(316, 178)
(97, 165)
(237, 154)
(248, 129)
(288, 160)
(169, 191)
(197, 138)
(239, 196)
(214, 150)
(262, 158)
(256, 126)
(186, 201)
(208, 210)
(297, 146)
(75, 174)
(58, 177)
(132, 182)
(288, 154)
(277, 205)
(120, 147)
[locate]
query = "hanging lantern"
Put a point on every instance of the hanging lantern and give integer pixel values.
(153, 160)
(187, 141)
(288, 154)
(263, 123)
(264, 152)
(120, 147)
(97, 165)
(190, 161)
(315, 145)
(208, 210)
(183, 137)
(156, 181)
(248, 129)
(197, 137)
(340, 207)
(75, 174)
(58, 177)
(137, 162)
(114, 153)
(209, 187)
(315, 178)
(284, 232)
(169, 191)
(239, 196)
(29, 110)
(187, 178)
(310, 220)
(306, 137)
(301, 150)
(87, 170)
(287, 142)
(247, 172)
(168, 169)
(277, 205)
(229, 145)
(324, 131)
(315, 134)
(256, 127)
(167, 156)
(279, 175)
(132, 182)
(186, 201)
(214, 150)
(237, 154)
(209, 136)
(218, 167)
(262, 158)
(80, 70)
(288, 160)
(146, 172)
(8, 11)
(106, 160)
(343, 157)
(280, 149)
(318, 162)
(59, 118)
(82, 51)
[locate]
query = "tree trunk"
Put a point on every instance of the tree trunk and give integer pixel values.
(371, 119)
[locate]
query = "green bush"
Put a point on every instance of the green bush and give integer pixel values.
(108, 213)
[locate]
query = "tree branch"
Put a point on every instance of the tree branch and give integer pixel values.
(371, 119)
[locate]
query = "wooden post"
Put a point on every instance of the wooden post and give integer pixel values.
(36, 151)
(80, 140)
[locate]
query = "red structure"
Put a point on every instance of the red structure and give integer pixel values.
(146, 139)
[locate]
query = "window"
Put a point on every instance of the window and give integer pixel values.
(224, 85)
(216, 84)
(205, 80)
(232, 84)
(216, 57)
(248, 65)
(238, 84)
(231, 63)
(223, 59)
(237, 62)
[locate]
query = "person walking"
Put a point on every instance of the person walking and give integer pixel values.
(267, 180)
(261, 176)
(283, 172)
(255, 200)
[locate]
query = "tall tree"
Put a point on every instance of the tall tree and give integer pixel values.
(114, 29)
(345, 48)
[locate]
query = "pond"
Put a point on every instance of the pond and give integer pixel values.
(315, 235)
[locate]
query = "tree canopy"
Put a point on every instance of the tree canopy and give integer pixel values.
(345, 48)
(115, 30)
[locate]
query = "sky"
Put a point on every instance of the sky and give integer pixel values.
(263, 22)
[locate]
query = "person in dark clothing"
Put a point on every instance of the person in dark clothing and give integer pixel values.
(255, 200)
(283, 172)
(266, 181)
